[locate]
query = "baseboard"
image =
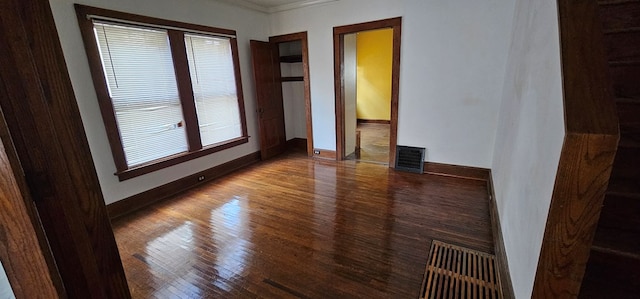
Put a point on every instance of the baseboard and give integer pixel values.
(374, 121)
(324, 154)
(148, 197)
(467, 172)
(297, 143)
(498, 243)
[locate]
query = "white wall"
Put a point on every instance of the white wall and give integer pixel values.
(452, 70)
(5, 288)
(350, 92)
(248, 24)
(529, 137)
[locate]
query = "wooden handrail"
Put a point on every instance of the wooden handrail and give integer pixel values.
(587, 154)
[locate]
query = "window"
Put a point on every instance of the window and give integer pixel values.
(168, 91)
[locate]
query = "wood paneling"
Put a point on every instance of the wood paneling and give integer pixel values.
(45, 126)
(338, 58)
(146, 198)
(587, 153)
(293, 227)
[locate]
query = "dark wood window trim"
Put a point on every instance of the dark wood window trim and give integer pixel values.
(176, 32)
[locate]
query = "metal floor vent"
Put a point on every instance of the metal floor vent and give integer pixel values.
(458, 272)
(410, 158)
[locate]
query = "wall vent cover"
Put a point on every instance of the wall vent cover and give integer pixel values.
(410, 159)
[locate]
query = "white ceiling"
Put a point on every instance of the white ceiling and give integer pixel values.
(270, 6)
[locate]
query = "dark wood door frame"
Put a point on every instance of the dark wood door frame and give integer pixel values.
(302, 37)
(338, 58)
(44, 129)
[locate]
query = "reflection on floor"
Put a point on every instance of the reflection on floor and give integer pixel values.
(294, 227)
(374, 143)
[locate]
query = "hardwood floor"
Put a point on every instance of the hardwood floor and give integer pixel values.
(295, 227)
(374, 143)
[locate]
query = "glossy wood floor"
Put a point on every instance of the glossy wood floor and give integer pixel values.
(374, 143)
(295, 227)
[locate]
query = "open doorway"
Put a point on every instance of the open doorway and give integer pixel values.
(293, 52)
(368, 59)
(281, 73)
(376, 130)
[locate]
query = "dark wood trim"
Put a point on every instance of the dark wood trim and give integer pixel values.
(297, 143)
(498, 243)
(101, 86)
(338, 58)
(587, 153)
(179, 158)
(45, 126)
(185, 89)
(324, 154)
(96, 11)
(467, 172)
(32, 273)
(302, 37)
(373, 121)
(239, 91)
(165, 191)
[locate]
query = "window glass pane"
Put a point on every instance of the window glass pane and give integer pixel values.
(214, 87)
(142, 85)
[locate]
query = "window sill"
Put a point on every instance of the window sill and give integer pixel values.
(178, 158)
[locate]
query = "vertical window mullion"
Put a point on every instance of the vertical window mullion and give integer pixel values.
(181, 66)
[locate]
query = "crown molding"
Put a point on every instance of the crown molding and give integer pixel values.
(298, 5)
(246, 4)
(274, 9)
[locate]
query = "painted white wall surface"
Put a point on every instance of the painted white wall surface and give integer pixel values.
(294, 108)
(529, 138)
(5, 288)
(453, 62)
(248, 25)
(350, 94)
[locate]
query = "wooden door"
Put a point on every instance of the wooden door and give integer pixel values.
(266, 74)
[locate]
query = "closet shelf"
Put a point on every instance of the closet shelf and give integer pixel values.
(292, 79)
(291, 58)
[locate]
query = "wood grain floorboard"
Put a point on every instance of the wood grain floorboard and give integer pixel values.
(295, 227)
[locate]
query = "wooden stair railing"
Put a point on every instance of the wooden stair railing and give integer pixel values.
(587, 154)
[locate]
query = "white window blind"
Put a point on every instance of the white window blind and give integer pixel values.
(214, 87)
(142, 85)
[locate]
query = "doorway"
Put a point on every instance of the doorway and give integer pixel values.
(281, 74)
(293, 53)
(345, 134)
(367, 76)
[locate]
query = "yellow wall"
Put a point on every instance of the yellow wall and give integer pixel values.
(374, 56)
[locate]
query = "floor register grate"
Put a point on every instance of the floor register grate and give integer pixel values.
(458, 272)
